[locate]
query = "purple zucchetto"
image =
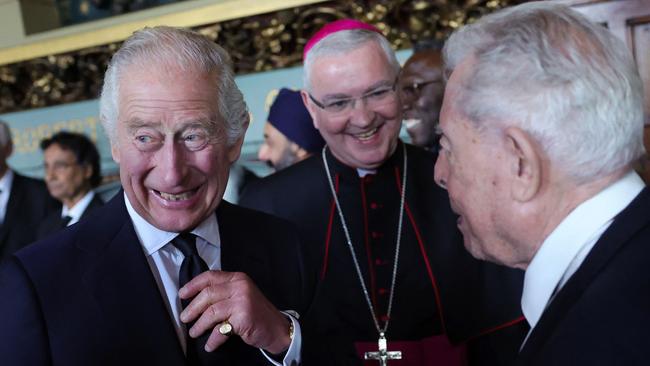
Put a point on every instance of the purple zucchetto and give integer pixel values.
(289, 116)
(334, 27)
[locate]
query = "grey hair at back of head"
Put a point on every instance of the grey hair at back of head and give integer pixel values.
(346, 41)
(5, 134)
(567, 81)
(191, 52)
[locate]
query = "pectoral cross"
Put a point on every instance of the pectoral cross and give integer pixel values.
(383, 355)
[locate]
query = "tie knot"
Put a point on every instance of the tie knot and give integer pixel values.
(65, 220)
(186, 243)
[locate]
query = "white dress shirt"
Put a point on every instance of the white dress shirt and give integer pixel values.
(77, 210)
(567, 246)
(5, 190)
(165, 262)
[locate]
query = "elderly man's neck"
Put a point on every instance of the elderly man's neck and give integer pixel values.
(563, 197)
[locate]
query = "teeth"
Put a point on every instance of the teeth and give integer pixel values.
(366, 135)
(412, 122)
(175, 197)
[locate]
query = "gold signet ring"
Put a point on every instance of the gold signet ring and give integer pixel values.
(225, 328)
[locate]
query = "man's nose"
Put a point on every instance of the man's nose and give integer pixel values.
(263, 153)
(407, 101)
(362, 115)
(440, 171)
(173, 163)
(49, 174)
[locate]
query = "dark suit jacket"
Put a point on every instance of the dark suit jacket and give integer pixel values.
(52, 223)
(602, 315)
(86, 295)
(29, 203)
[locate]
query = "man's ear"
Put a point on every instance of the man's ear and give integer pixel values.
(115, 152)
(311, 108)
(525, 164)
(88, 171)
(10, 149)
(298, 151)
(234, 150)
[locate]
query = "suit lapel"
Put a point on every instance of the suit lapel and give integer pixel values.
(237, 244)
(626, 224)
(121, 281)
(95, 203)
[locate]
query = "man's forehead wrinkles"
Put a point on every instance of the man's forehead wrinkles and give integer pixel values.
(147, 103)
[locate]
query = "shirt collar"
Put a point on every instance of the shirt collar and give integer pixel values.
(350, 173)
(582, 226)
(78, 209)
(6, 180)
(153, 239)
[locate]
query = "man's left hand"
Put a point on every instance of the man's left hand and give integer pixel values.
(220, 296)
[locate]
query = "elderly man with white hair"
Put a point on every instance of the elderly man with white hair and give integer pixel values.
(166, 273)
(393, 278)
(541, 124)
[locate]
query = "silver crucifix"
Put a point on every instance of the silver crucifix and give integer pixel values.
(383, 355)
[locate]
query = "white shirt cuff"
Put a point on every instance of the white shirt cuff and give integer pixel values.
(292, 357)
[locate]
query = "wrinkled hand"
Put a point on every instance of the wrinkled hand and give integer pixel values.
(234, 297)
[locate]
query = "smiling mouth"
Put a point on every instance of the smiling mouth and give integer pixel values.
(366, 135)
(412, 122)
(177, 196)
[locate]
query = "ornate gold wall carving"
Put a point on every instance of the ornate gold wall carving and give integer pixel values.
(257, 43)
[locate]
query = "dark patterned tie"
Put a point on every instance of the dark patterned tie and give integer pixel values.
(192, 266)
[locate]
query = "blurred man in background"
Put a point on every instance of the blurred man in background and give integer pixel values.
(289, 133)
(421, 86)
(72, 171)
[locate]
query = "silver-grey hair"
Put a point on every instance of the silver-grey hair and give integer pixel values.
(5, 134)
(567, 81)
(346, 41)
(182, 48)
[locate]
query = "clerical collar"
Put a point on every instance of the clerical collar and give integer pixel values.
(152, 238)
(363, 172)
(354, 173)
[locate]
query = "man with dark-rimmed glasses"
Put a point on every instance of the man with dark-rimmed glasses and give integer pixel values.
(380, 234)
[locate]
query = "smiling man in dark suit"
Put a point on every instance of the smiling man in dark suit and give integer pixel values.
(72, 170)
(541, 123)
(166, 273)
(24, 201)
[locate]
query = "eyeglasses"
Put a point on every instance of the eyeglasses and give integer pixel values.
(58, 166)
(374, 99)
(414, 89)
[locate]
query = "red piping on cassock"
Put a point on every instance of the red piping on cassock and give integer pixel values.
(328, 236)
(423, 252)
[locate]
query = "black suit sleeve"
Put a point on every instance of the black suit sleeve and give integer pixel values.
(23, 336)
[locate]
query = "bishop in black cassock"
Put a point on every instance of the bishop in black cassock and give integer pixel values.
(440, 289)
